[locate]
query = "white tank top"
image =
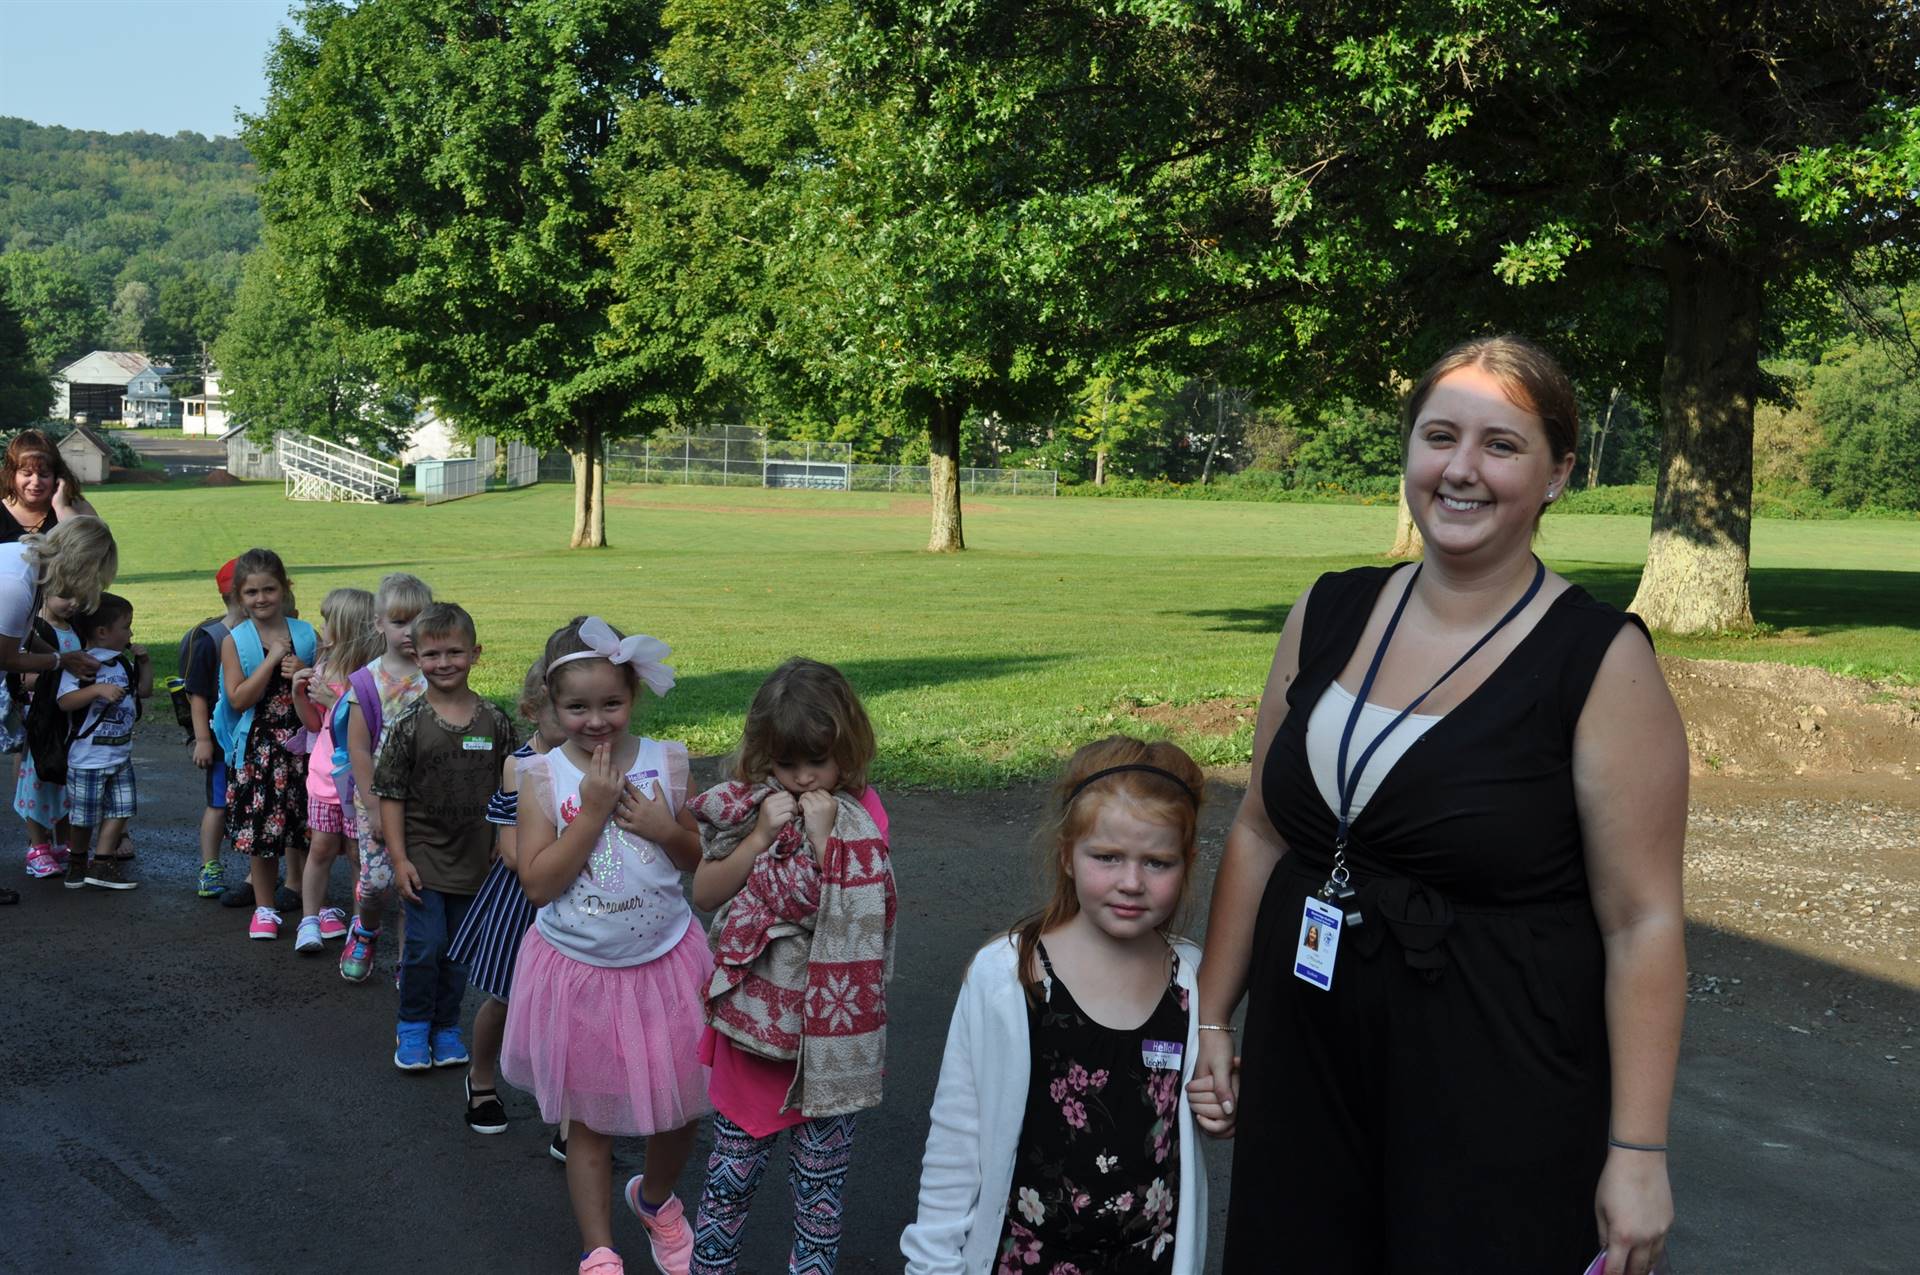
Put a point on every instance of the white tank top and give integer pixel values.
(1324, 726)
(626, 907)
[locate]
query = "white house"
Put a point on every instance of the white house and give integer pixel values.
(205, 413)
(95, 386)
(148, 402)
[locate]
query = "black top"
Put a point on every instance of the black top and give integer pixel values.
(1096, 1184)
(1505, 754)
(11, 530)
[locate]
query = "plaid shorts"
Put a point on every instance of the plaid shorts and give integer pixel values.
(327, 816)
(94, 795)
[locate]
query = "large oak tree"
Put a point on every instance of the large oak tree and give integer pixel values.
(439, 169)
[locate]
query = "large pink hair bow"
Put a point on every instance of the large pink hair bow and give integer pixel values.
(641, 652)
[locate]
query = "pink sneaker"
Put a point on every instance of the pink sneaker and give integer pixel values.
(603, 1261)
(42, 863)
(667, 1232)
(265, 924)
(333, 923)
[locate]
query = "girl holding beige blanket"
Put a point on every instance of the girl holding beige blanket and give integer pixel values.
(794, 856)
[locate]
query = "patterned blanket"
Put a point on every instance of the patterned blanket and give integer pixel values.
(803, 953)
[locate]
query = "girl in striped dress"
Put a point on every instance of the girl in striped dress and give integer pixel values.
(488, 941)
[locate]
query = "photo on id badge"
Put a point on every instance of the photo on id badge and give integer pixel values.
(1319, 941)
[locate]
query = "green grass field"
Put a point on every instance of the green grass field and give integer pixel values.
(1063, 621)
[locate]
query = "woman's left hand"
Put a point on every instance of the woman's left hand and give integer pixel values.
(1634, 1206)
(643, 814)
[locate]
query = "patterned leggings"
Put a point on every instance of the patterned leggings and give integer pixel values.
(818, 1153)
(376, 867)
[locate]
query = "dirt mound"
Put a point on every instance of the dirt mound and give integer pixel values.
(1777, 721)
(119, 475)
(219, 478)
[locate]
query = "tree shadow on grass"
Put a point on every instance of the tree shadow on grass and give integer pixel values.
(731, 690)
(1812, 600)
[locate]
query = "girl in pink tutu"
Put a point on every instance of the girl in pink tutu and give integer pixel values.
(605, 1021)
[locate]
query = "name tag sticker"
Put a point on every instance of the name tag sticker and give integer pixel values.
(477, 743)
(1162, 1055)
(1319, 940)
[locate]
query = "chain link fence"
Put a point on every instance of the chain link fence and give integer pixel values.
(736, 460)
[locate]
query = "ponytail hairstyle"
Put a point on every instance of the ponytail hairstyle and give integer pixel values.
(1169, 794)
(352, 640)
(534, 699)
(806, 709)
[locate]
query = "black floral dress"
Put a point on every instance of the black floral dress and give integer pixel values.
(267, 800)
(1096, 1185)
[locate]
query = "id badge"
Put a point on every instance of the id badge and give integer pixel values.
(1162, 1055)
(1319, 941)
(476, 743)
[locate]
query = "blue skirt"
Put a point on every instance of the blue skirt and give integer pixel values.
(488, 941)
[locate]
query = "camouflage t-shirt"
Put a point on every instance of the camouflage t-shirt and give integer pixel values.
(445, 772)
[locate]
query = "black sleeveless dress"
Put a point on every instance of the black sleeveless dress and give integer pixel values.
(1444, 1106)
(1096, 1184)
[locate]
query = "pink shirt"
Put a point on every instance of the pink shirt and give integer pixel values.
(746, 1088)
(320, 786)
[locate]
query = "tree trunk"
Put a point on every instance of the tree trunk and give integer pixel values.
(943, 474)
(1600, 440)
(1406, 536)
(1100, 467)
(589, 491)
(1696, 575)
(1213, 448)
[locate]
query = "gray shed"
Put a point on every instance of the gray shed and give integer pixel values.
(248, 459)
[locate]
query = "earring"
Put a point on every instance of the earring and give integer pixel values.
(1549, 495)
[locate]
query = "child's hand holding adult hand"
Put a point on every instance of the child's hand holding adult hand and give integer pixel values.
(600, 785)
(819, 809)
(643, 814)
(1214, 1092)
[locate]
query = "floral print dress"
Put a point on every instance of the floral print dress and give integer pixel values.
(1096, 1182)
(267, 800)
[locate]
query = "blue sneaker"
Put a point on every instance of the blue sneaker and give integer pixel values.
(213, 880)
(410, 1052)
(448, 1049)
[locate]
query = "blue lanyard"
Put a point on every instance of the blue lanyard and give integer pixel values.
(1348, 785)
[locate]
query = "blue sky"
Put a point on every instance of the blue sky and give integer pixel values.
(157, 65)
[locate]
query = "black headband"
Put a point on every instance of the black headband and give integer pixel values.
(1168, 775)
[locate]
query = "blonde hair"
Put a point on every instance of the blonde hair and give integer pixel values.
(1171, 799)
(352, 641)
(402, 596)
(806, 709)
(77, 559)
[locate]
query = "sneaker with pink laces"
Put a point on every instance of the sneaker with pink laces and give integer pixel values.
(265, 924)
(667, 1231)
(41, 862)
(333, 923)
(603, 1261)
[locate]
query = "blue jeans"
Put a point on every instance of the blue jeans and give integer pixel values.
(431, 985)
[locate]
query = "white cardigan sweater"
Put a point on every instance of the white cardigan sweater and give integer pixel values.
(978, 1109)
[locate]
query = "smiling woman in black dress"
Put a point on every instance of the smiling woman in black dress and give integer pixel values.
(1472, 1069)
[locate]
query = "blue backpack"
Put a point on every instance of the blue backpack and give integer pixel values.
(229, 727)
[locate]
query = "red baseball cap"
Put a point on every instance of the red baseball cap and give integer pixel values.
(224, 577)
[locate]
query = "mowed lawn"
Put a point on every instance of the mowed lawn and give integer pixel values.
(1065, 619)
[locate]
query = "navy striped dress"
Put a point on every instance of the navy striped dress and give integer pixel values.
(488, 941)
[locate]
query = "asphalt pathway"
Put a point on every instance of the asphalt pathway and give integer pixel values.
(175, 1098)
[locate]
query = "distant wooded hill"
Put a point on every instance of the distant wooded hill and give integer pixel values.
(122, 240)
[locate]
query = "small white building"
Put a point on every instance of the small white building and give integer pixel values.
(95, 386)
(205, 414)
(86, 454)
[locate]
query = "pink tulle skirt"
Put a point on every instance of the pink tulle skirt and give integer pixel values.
(616, 1050)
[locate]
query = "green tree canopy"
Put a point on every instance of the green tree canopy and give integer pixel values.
(439, 169)
(284, 366)
(25, 390)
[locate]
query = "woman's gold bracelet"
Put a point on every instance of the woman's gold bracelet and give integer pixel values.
(1215, 1027)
